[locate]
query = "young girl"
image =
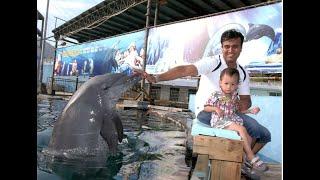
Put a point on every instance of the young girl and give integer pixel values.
(223, 106)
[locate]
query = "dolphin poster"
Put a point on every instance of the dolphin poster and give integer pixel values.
(262, 47)
(113, 55)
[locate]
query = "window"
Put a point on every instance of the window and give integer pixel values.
(174, 94)
(155, 92)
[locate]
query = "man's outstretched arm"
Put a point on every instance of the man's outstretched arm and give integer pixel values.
(174, 73)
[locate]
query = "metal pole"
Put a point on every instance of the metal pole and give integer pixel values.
(43, 46)
(54, 61)
(42, 24)
(156, 13)
(54, 64)
(55, 23)
(77, 81)
(59, 19)
(38, 63)
(145, 46)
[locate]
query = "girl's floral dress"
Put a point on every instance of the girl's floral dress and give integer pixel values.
(226, 103)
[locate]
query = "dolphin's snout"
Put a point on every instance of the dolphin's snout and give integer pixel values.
(136, 78)
(133, 79)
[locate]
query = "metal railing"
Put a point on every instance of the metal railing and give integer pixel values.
(64, 84)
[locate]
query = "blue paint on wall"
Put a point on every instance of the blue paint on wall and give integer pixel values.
(270, 116)
(47, 72)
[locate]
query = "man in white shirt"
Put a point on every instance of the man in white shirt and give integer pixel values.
(209, 68)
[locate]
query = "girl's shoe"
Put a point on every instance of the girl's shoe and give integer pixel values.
(257, 164)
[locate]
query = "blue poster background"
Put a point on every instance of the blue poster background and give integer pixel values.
(100, 57)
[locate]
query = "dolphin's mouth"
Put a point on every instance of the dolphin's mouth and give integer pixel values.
(136, 78)
(133, 79)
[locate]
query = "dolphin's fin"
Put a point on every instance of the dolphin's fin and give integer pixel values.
(118, 124)
(112, 132)
(109, 134)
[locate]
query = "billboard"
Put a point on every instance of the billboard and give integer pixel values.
(182, 43)
(117, 54)
(188, 42)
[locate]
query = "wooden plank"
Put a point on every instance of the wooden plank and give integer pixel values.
(215, 169)
(135, 104)
(232, 170)
(225, 170)
(201, 170)
(218, 148)
(164, 108)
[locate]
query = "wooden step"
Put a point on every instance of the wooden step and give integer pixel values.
(201, 171)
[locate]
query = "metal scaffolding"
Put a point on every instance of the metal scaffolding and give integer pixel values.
(96, 17)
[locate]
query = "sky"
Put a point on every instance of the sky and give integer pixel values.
(63, 9)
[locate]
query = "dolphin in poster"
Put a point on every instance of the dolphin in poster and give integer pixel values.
(257, 31)
(90, 117)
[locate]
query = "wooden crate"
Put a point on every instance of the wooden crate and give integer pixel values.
(225, 170)
(225, 156)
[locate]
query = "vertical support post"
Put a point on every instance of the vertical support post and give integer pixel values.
(155, 22)
(156, 13)
(43, 47)
(54, 64)
(54, 59)
(77, 81)
(42, 24)
(39, 62)
(145, 46)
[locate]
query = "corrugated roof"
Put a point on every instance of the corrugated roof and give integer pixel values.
(114, 17)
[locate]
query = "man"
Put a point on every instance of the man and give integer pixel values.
(209, 68)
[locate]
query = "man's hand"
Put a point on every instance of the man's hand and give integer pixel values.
(254, 110)
(144, 75)
(174, 73)
(150, 78)
(219, 111)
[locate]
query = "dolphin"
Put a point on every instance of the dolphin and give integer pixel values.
(257, 31)
(89, 115)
